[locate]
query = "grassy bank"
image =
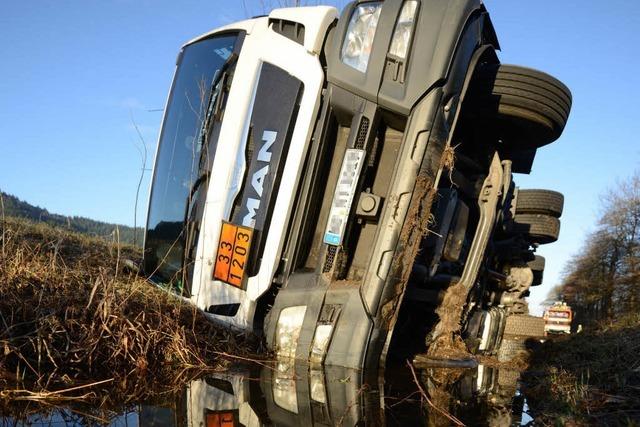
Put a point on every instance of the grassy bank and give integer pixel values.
(71, 316)
(592, 378)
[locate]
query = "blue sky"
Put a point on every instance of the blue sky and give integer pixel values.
(74, 73)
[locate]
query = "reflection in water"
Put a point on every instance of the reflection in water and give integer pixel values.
(290, 394)
(481, 396)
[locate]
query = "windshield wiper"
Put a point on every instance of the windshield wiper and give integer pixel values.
(214, 103)
(213, 107)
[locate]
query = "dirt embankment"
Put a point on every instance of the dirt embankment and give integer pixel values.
(71, 316)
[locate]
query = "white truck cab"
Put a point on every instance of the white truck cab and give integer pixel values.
(241, 111)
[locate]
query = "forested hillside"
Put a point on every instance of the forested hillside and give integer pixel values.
(14, 207)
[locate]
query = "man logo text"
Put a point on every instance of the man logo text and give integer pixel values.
(257, 178)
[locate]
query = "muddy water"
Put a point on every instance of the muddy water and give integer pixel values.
(283, 394)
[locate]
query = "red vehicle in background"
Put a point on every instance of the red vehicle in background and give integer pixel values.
(557, 319)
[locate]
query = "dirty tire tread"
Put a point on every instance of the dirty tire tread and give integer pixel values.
(537, 228)
(524, 325)
(545, 202)
(537, 268)
(517, 330)
(537, 278)
(510, 348)
(537, 263)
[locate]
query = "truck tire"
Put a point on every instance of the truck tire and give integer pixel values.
(510, 348)
(536, 228)
(520, 307)
(518, 330)
(529, 108)
(545, 202)
(524, 326)
(537, 267)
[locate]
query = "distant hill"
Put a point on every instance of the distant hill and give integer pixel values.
(21, 209)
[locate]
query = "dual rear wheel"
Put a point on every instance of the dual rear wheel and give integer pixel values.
(536, 215)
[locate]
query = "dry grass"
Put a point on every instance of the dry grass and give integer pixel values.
(447, 343)
(448, 160)
(589, 378)
(70, 316)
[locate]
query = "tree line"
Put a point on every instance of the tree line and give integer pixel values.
(13, 206)
(602, 281)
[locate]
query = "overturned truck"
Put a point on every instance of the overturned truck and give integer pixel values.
(344, 185)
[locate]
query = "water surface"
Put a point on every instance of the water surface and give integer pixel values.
(286, 394)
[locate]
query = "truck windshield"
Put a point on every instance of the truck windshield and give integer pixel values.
(559, 314)
(178, 159)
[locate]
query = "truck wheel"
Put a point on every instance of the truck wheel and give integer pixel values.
(523, 326)
(520, 307)
(537, 267)
(519, 328)
(536, 228)
(529, 108)
(544, 202)
(511, 348)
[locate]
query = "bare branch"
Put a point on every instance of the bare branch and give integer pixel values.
(144, 154)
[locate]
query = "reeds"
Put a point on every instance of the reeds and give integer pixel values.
(68, 318)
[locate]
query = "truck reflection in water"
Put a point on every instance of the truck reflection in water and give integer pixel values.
(284, 393)
(288, 394)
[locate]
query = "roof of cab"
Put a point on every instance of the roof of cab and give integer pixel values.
(316, 20)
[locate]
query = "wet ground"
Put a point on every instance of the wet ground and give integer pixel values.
(284, 394)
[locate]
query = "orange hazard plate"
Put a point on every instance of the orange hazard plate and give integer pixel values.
(221, 419)
(233, 251)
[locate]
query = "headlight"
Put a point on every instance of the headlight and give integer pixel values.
(404, 28)
(356, 47)
(320, 343)
(316, 386)
(288, 330)
(283, 386)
